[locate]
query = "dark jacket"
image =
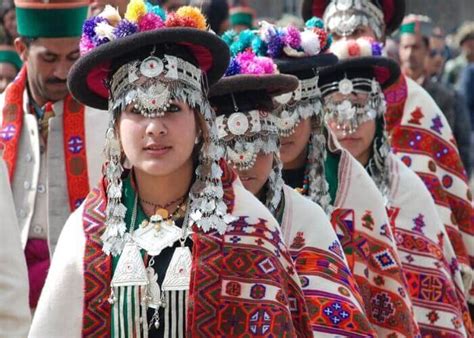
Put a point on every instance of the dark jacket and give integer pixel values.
(453, 105)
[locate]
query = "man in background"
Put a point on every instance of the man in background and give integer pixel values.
(465, 39)
(415, 52)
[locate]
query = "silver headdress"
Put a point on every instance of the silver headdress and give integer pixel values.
(306, 102)
(298, 105)
(348, 117)
(149, 86)
(245, 135)
(343, 17)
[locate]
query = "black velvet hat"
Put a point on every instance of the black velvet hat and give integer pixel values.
(249, 92)
(386, 71)
(305, 67)
(89, 77)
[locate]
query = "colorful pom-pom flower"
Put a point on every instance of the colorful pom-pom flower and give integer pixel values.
(193, 16)
(135, 10)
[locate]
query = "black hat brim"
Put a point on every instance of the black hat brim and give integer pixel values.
(273, 84)
(386, 71)
(305, 67)
(87, 77)
(317, 8)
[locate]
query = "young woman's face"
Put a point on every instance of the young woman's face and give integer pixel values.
(358, 143)
(293, 147)
(255, 178)
(159, 146)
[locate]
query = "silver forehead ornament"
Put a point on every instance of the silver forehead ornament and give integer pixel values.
(345, 87)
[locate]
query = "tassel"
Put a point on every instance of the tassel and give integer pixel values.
(136, 310)
(121, 307)
(174, 321)
(167, 314)
(180, 314)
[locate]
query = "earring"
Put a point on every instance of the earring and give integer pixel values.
(197, 140)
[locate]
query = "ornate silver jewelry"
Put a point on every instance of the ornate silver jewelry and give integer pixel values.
(343, 17)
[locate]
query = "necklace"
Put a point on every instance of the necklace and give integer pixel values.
(165, 206)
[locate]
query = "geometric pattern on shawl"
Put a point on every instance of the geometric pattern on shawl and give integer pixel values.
(424, 142)
(428, 258)
(363, 229)
(97, 268)
(333, 299)
(260, 298)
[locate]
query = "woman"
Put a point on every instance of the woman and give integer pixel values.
(171, 245)
(360, 223)
(243, 103)
(354, 108)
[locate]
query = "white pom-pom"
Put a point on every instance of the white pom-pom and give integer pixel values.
(339, 48)
(365, 46)
(104, 30)
(111, 15)
(310, 43)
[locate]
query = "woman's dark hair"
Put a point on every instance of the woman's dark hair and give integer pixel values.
(216, 12)
(4, 9)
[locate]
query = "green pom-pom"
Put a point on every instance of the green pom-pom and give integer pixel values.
(156, 10)
(229, 37)
(259, 46)
(315, 22)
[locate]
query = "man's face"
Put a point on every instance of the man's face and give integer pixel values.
(48, 61)
(436, 57)
(413, 53)
(468, 48)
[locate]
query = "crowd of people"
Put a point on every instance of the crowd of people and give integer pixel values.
(174, 168)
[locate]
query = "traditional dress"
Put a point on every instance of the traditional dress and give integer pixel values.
(53, 153)
(15, 316)
(248, 129)
(219, 268)
(361, 224)
(331, 292)
(243, 282)
(428, 260)
(419, 133)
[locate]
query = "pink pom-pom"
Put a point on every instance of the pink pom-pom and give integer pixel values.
(85, 45)
(267, 65)
(251, 64)
(293, 37)
(150, 21)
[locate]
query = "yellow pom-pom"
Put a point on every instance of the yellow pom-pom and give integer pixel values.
(193, 14)
(135, 10)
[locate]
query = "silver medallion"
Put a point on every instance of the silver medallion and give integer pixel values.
(238, 124)
(345, 87)
(151, 66)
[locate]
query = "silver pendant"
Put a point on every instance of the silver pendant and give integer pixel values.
(130, 269)
(151, 67)
(153, 241)
(154, 292)
(178, 274)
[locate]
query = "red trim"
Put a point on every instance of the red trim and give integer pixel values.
(74, 136)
